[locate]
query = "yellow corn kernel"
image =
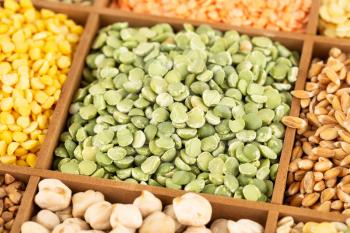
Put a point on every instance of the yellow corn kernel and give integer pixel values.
(23, 122)
(22, 107)
(36, 108)
(30, 15)
(62, 78)
(20, 65)
(44, 68)
(50, 90)
(14, 128)
(40, 35)
(37, 64)
(46, 79)
(76, 29)
(5, 68)
(7, 89)
(3, 148)
(21, 47)
(28, 95)
(30, 144)
(6, 136)
(9, 79)
(42, 121)
(52, 27)
(12, 147)
(17, 93)
(72, 38)
(34, 135)
(35, 53)
(20, 152)
(21, 163)
(48, 113)
(7, 46)
(3, 28)
(31, 160)
(50, 47)
(47, 13)
(63, 62)
(36, 83)
(11, 5)
(52, 71)
(6, 118)
(57, 95)
(65, 47)
(49, 102)
(41, 97)
(41, 138)
(31, 128)
(18, 37)
(61, 17)
(8, 159)
(19, 137)
(6, 104)
(26, 3)
(3, 127)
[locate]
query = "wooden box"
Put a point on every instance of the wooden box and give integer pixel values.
(308, 44)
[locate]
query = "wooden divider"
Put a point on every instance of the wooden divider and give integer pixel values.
(92, 18)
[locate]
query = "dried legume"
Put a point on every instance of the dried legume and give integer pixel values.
(272, 15)
(288, 225)
(33, 68)
(318, 175)
(334, 18)
(187, 213)
(11, 192)
(197, 110)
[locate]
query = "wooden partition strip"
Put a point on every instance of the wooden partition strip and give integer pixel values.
(63, 6)
(280, 182)
(58, 120)
(271, 223)
(313, 17)
(101, 3)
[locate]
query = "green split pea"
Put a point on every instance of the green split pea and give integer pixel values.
(197, 110)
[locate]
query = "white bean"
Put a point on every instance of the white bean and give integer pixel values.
(33, 227)
(48, 219)
(82, 200)
(148, 203)
(98, 215)
(53, 195)
(192, 209)
(127, 214)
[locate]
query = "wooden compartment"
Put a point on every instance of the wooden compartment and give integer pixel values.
(127, 193)
(21, 174)
(318, 48)
(97, 21)
(93, 17)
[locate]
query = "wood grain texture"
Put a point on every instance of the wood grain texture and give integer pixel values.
(288, 144)
(313, 17)
(93, 17)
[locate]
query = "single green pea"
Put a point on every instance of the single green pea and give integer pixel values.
(216, 166)
(251, 192)
(231, 183)
(150, 165)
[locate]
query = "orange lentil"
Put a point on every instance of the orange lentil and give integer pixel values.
(282, 15)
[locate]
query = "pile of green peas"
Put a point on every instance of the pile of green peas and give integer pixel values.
(198, 110)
